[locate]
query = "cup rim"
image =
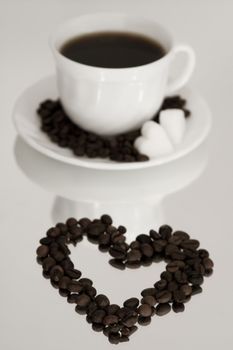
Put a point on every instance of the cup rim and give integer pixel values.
(54, 34)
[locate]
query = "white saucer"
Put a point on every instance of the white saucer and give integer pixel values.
(27, 124)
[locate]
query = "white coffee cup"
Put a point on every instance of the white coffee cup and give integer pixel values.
(110, 101)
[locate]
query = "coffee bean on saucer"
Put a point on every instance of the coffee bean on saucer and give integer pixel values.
(162, 309)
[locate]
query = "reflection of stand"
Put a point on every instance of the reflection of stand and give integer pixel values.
(133, 198)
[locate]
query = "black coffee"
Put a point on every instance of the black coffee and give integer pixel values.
(113, 50)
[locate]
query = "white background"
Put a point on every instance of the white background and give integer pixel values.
(32, 315)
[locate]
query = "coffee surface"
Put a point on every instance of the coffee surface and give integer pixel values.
(113, 50)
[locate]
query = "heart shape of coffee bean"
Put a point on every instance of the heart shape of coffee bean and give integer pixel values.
(185, 269)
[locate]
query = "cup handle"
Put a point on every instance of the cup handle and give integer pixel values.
(180, 81)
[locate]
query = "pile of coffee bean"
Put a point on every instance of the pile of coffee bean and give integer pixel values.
(187, 264)
(62, 131)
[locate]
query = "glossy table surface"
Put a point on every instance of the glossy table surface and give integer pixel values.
(193, 194)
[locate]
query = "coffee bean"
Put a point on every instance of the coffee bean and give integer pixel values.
(159, 245)
(124, 339)
(112, 309)
(131, 303)
(117, 253)
(171, 248)
(64, 282)
(75, 286)
(122, 229)
(144, 321)
(179, 296)
(148, 291)
(163, 297)
(73, 273)
(147, 250)
(53, 232)
(133, 329)
(143, 239)
(91, 291)
(114, 338)
(133, 265)
(98, 315)
(42, 251)
(162, 309)
(110, 319)
(72, 298)
(76, 232)
(208, 263)
(176, 240)
(181, 234)
(111, 229)
(175, 265)
(135, 245)
(67, 264)
(71, 222)
(203, 253)
(196, 289)
(125, 312)
(196, 279)
(95, 229)
(134, 255)
(148, 300)
(191, 244)
(154, 235)
(178, 256)
(97, 327)
(117, 264)
(84, 222)
(83, 301)
(46, 240)
(104, 239)
(180, 277)
(114, 328)
(178, 307)
(102, 301)
(106, 219)
(186, 289)
(145, 310)
(62, 227)
(208, 272)
(172, 286)
(166, 275)
(56, 273)
(165, 232)
(160, 285)
(48, 263)
(130, 321)
(64, 292)
(86, 282)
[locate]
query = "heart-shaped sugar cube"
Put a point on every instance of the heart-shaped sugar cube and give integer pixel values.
(154, 141)
(174, 123)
